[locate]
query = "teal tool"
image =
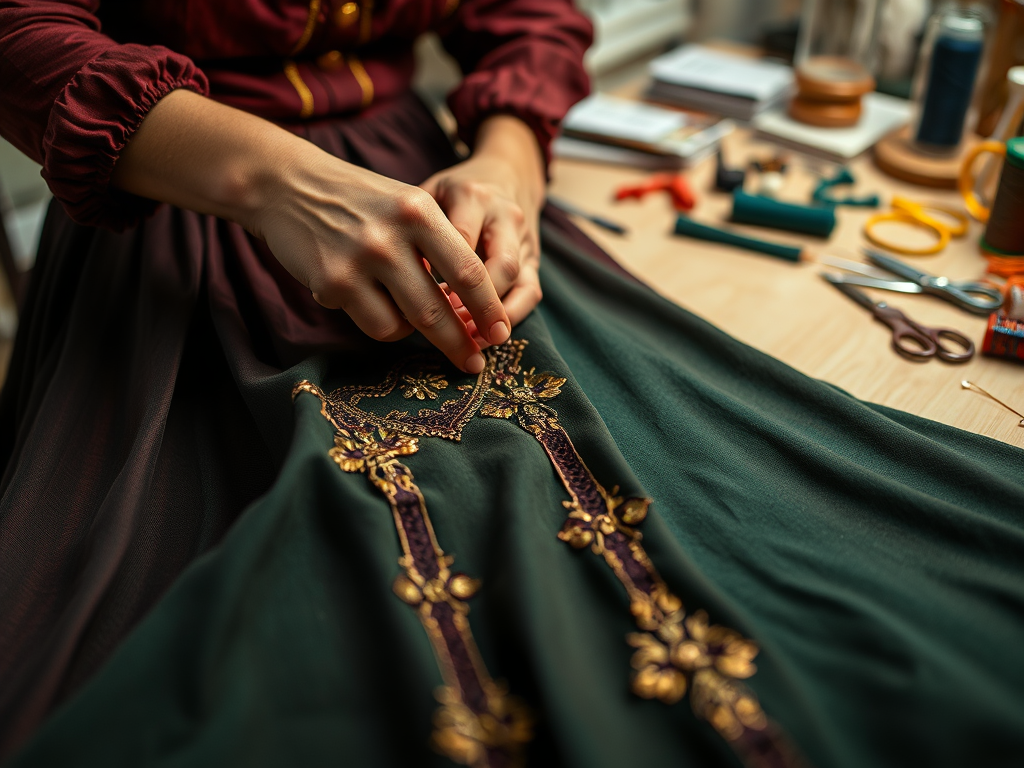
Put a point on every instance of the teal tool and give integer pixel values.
(690, 228)
(766, 212)
(843, 176)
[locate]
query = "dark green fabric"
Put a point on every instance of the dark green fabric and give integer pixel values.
(876, 557)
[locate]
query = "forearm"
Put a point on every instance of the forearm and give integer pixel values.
(508, 138)
(195, 153)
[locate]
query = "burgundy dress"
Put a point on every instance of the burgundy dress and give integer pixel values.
(121, 467)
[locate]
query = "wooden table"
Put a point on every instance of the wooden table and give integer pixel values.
(787, 310)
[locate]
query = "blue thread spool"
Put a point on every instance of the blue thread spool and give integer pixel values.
(959, 40)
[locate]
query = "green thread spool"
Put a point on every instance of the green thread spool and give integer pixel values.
(766, 212)
(690, 228)
(1004, 235)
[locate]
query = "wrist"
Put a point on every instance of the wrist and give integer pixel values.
(250, 185)
(508, 139)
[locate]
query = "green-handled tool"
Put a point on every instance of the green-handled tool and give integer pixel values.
(690, 228)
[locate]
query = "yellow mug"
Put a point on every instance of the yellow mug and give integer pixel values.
(1012, 149)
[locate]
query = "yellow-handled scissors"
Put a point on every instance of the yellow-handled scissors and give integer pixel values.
(906, 211)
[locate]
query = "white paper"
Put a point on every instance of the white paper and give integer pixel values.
(623, 119)
(881, 114)
(695, 66)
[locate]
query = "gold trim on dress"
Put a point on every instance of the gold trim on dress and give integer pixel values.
(363, 78)
(346, 15)
(291, 71)
(307, 33)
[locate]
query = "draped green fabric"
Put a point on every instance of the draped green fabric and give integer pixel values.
(875, 557)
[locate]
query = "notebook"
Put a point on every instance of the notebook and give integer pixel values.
(710, 80)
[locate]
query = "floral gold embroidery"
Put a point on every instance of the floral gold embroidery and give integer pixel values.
(676, 654)
(478, 723)
(357, 451)
(426, 386)
(467, 739)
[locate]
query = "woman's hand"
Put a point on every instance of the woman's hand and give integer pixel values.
(494, 199)
(358, 240)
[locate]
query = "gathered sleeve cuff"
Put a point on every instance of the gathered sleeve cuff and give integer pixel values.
(520, 57)
(73, 97)
(92, 120)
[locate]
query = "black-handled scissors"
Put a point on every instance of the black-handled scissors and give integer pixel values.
(975, 297)
(912, 340)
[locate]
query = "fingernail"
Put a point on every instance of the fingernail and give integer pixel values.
(499, 333)
(475, 363)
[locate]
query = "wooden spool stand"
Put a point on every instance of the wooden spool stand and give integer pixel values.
(896, 155)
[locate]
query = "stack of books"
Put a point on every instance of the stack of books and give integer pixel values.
(719, 82)
(645, 136)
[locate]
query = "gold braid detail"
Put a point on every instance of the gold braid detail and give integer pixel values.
(307, 33)
(291, 71)
(362, 77)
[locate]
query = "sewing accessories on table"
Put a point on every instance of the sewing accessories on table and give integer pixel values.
(824, 191)
(909, 338)
(969, 385)
(919, 216)
(971, 296)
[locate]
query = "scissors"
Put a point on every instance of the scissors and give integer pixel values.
(906, 211)
(912, 340)
(974, 297)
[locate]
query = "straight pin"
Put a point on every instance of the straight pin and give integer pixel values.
(968, 385)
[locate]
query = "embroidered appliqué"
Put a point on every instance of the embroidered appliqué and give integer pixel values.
(676, 653)
(424, 386)
(478, 723)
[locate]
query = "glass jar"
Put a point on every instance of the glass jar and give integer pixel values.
(835, 60)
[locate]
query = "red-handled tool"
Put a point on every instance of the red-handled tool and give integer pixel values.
(675, 184)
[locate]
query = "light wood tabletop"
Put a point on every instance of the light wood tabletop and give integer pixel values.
(787, 310)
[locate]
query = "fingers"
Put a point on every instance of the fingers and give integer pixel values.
(490, 225)
(524, 295)
(450, 255)
(425, 305)
(373, 310)
(466, 213)
(503, 246)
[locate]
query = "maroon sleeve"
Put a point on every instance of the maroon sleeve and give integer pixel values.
(72, 97)
(520, 57)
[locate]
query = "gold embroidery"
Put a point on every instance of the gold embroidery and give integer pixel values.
(424, 386)
(305, 95)
(307, 33)
(478, 723)
(676, 653)
(345, 16)
(363, 78)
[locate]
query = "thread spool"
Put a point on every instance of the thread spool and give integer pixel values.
(1004, 235)
(1004, 337)
(765, 212)
(955, 57)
